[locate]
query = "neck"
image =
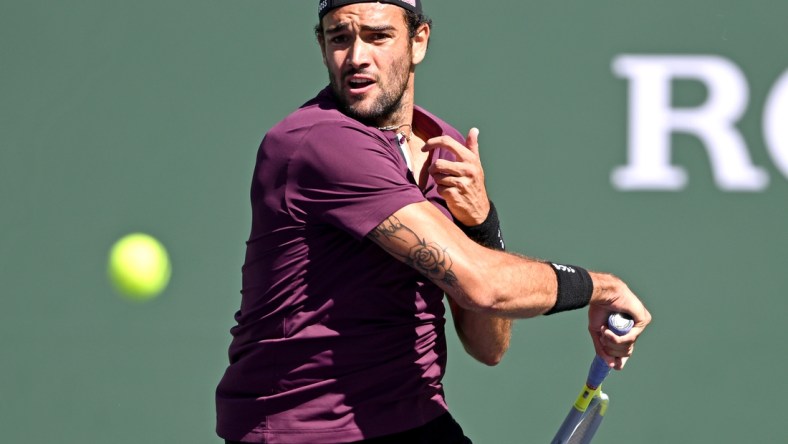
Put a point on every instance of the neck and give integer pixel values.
(406, 130)
(402, 115)
(401, 120)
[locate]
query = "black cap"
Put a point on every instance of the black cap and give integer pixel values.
(326, 5)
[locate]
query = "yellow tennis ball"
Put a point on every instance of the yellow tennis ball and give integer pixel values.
(139, 267)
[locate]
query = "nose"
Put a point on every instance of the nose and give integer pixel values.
(358, 56)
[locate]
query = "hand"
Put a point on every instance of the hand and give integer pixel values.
(461, 183)
(611, 295)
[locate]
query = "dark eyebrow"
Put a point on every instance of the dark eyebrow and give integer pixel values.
(336, 28)
(380, 28)
(343, 26)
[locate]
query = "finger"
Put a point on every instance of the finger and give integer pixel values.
(449, 168)
(442, 179)
(615, 342)
(613, 338)
(620, 363)
(472, 141)
(613, 349)
(616, 363)
(450, 192)
(450, 144)
(618, 350)
(451, 182)
(599, 346)
(615, 360)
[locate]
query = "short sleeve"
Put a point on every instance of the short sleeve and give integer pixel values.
(348, 177)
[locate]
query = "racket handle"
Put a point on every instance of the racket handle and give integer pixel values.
(619, 324)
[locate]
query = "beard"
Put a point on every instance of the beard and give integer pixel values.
(384, 109)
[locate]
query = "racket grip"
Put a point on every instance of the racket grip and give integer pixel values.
(619, 324)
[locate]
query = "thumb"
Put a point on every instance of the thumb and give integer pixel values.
(472, 141)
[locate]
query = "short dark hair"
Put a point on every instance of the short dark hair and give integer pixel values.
(413, 19)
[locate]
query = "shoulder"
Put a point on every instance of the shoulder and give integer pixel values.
(318, 140)
(319, 122)
(319, 134)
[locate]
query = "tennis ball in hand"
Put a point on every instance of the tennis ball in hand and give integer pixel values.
(139, 267)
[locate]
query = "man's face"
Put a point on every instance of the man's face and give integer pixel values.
(368, 53)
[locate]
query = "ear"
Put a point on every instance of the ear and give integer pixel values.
(420, 42)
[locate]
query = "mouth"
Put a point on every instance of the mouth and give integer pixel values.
(359, 84)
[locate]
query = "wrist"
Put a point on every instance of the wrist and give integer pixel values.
(475, 215)
(487, 233)
(574, 290)
(606, 286)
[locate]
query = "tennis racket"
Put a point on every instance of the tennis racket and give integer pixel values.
(590, 407)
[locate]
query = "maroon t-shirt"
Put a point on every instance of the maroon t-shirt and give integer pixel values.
(335, 340)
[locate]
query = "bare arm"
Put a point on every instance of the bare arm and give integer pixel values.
(485, 337)
(461, 182)
(497, 283)
(477, 278)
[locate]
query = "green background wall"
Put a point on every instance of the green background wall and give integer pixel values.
(146, 115)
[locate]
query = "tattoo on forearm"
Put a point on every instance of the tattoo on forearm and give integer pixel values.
(426, 257)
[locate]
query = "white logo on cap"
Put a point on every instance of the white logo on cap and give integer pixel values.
(324, 4)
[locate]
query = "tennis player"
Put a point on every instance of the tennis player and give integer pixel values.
(366, 210)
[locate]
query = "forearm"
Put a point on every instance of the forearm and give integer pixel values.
(515, 287)
(477, 278)
(520, 287)
(526, 287)
(485, 337)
